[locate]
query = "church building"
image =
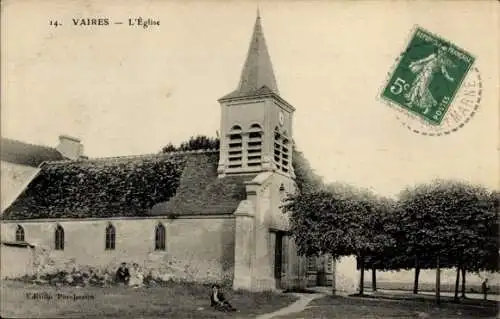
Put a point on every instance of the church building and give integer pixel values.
(207, 216)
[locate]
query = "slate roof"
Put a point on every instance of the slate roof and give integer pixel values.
(257, 76)
(176, 183)
(21, 153)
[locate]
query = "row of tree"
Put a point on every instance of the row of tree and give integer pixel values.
(435, 225)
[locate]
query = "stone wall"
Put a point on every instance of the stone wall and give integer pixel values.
(348, 276)
(197, 249)
(17, 261)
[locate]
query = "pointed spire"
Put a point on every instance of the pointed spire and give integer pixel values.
(258, 70)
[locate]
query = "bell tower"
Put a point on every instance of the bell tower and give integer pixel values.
(256, 123)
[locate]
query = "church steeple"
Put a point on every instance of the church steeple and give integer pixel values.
(257, 75)
(256, 123)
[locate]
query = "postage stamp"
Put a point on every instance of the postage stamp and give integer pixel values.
(428, 77)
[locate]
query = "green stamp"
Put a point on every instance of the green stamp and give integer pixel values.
(427, 77)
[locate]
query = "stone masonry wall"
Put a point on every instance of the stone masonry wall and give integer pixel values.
(197, 249)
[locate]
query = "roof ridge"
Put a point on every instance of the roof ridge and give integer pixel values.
(124, 157)
(28, 143)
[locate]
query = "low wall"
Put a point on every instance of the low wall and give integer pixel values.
(348, 276)
(16, 260)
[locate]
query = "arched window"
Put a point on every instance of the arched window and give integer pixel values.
(284, 153)
(110, 237)
(254, 147)
(19, 233)
(59, 238)
(281, 150)
(277, 148)
(160, 237)
(235, 147)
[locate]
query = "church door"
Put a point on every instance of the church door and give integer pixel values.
(278, 259)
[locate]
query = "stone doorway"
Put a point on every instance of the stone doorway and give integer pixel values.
(278, 259)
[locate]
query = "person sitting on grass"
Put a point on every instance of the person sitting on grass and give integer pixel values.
(122, 274)
(218, 301)
(136, 277)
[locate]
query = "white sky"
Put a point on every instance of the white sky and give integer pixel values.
(129, 90)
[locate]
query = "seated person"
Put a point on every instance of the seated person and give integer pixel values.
(136, 277)
(122, 274)
(218, 301)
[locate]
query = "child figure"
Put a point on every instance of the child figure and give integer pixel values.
(218, 301)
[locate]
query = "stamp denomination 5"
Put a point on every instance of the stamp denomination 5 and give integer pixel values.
(428, 82)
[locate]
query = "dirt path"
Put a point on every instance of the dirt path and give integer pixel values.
(297, 306)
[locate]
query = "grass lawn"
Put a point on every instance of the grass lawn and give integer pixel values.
(175, 300)
(339, 307)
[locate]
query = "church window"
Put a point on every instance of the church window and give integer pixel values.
(110, 237)
(281, 150)
(254, 147)
(277, 148)
(329, 265)
(19, 233)
(160, 237)
(59, 238)
(235, 147)
(284, 154)
(311, 264)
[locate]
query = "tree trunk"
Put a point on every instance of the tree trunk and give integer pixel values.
(374, 279)
(361, 275)
(463, 282)
(457, 282)
(438, 281)
(417, 274)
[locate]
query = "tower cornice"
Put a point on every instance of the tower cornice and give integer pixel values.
(247, 98)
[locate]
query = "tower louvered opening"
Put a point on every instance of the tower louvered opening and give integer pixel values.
(235, 143)
(254, 146)
(281, 151)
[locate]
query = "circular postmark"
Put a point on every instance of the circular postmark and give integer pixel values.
(461, 110)
(434, 85)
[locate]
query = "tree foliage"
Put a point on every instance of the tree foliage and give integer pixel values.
(340, 221)
(199, 142)
(305, 177)
(454, 220)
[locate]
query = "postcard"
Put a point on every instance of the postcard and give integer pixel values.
(251, 159)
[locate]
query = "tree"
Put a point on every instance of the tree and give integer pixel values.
(388, 257)
(305, 177)
(482, 253)
(199, 142)
(448, 223)
(341, 221)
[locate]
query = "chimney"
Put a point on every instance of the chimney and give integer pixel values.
(70, 147)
